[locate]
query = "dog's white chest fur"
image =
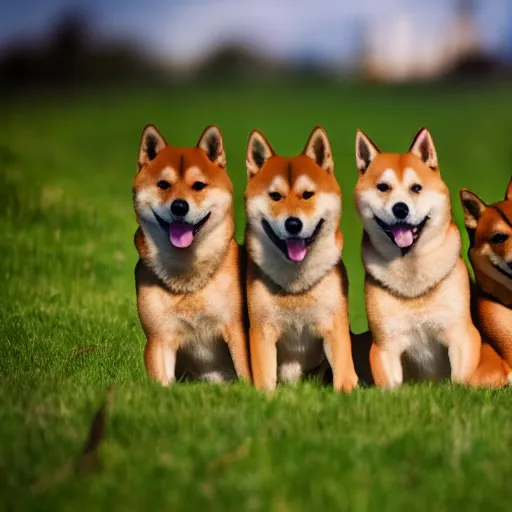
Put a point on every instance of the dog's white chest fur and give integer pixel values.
(300, 349)
(198, 321)
(416, 328)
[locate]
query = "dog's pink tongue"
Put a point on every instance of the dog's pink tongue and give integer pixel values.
(296, 249)
(181, 234)
(403, 237)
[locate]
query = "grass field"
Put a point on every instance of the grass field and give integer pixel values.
(69, 328)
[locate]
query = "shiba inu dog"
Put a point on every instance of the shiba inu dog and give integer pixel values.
(296, 282)
(417, 286)
(490, 235)
(189, 286)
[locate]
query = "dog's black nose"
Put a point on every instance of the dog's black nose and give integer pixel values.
(179, 207)
(400, 210)
(293, 225)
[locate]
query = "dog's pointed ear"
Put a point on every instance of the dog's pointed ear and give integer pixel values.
(212, 144)
(151, 143)
(366, 151)
(473, 206)
(259, 151)
(508, 194)
(318, 149)
(423, 147)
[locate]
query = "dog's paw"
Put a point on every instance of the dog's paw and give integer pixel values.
(348, 383)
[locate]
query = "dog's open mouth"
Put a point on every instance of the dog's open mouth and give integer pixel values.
(403, 235)
(294, 248)
(181, 233)
(502, 270)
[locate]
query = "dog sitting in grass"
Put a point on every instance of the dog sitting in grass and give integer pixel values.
(189, 287)
(417, 285)
(296, 282)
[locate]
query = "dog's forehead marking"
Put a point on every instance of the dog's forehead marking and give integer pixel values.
(194, 173)
(303, 183)
(168, 173)
(278, 183)
(389, 175)
(410, 176)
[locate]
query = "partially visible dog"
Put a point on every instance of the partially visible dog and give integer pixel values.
(490, 234)
(417, 286)
(297, 285)
(189, 283)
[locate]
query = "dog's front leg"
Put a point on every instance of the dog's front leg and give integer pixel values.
(263, 339)
(492, 371)
(338, 350)
(160, 359)
(235, 337)
(386, 366)
(464, 343)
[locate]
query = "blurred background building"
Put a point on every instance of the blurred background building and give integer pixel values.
(74, 42)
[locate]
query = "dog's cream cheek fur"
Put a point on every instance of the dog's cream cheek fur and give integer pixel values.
(433, 204)
(328, 208)
(372, 203)
(322, 255)
(209, 247)
(218, 202)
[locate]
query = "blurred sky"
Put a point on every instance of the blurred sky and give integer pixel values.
(320, 30)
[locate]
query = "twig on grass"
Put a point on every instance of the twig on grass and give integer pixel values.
(89, 460)
(235, 455)
(78, 351)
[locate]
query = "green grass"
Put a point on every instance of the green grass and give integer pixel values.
(69, 327)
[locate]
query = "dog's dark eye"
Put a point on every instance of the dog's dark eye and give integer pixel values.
(416, 188)
(307, 194)
(164, 185)
(499, 238)
(198, 185)
(383, 187)
(275, 196)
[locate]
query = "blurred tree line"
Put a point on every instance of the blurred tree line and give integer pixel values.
(72, 57)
